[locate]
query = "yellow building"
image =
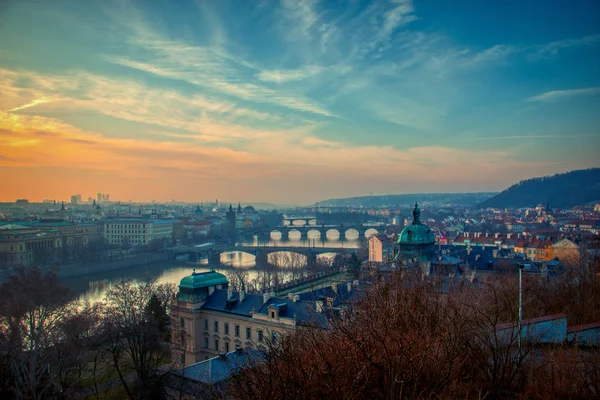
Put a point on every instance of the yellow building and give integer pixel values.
(208, 318)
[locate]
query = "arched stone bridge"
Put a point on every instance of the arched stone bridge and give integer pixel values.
(213, 252)
(341, 230)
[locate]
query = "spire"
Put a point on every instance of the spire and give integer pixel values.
(416, 215)
(239, 209)
(230, 208)
(62, 207)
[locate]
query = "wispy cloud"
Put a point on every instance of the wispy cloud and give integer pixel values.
(556, 95)
(520, 137)
(32, 104)
(552, 49)
(280, 76)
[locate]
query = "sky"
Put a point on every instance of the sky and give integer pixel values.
(293, 101)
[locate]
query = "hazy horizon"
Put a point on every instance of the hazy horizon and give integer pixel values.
(296, 101)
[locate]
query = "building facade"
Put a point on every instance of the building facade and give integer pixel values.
(208, 318)
(381, 249)
(23, 245)
(138, 231)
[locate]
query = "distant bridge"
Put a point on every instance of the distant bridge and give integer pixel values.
(363, 230)
(213, 252)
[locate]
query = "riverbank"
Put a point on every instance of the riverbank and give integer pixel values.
(88, 268)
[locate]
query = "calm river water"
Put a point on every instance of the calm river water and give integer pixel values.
(94, 286)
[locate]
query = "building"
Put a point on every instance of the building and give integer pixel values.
(231, 222)
(566, 250)
(139, 231)
(208, 318)
(381, 248)
(22, 245)
(416, 242)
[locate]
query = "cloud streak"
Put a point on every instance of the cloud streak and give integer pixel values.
(556, 95)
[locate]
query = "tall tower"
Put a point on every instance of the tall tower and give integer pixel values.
(230, 215)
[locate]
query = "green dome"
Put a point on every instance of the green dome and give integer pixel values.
(199, 280)
(416, 233)
(198, 211)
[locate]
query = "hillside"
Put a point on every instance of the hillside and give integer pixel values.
(393, 200)
(561, 191)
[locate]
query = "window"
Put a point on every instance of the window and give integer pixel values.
(226, 328)
(181, 322)
(205, 324)
(227, 347)
(273, 314)
(206, 343)
(248, 333)
(216, 328)
(217, 344)
(237, 330)
(260, 336)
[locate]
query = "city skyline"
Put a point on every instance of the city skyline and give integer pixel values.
(293, 102)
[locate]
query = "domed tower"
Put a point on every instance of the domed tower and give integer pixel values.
(417, 240)
(186, 321)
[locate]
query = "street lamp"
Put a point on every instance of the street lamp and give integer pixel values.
(521, 267)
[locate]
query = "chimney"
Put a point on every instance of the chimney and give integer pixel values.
(319, 306)
(266, 297)
(242, 295)
(229, 294)
(497, 235)
(477, 257)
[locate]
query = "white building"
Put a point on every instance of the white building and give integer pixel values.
(137, 231)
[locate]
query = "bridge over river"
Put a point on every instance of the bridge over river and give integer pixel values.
(213, 251)
(343, 231)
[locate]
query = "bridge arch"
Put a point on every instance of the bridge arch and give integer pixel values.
(287, 259)
(352, 233)
(294, 234)
(299, 222)
(371, 232)
(333, 234)
(276, 235)
(313, 234)
(237, 259)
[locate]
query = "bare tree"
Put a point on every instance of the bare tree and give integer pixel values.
(133, 337)
(238, 279)
(33, 305)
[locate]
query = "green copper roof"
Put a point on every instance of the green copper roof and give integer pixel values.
(417, 232)
(202, 279)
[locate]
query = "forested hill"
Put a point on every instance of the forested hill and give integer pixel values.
(561, 191)
(392, 200)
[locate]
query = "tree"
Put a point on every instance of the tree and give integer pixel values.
(354, 265)
(238, 280)
(132, 317)
(33, 306)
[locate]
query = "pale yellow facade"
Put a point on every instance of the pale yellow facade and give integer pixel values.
(199, 334)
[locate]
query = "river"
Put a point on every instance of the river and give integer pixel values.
(93, 287)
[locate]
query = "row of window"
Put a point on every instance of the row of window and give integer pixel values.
(236, 331)
(226, 347)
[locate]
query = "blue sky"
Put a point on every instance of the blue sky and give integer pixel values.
(294, 101)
